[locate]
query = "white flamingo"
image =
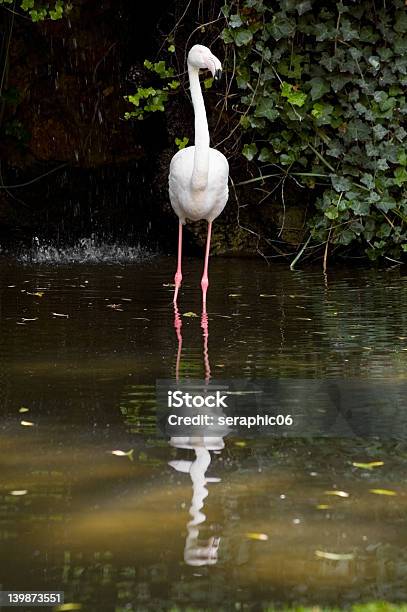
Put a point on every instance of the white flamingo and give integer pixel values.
(198, 180)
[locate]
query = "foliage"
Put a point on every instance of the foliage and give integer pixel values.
(39, 11)
(323, 101)
(182, 142)
(152, 99)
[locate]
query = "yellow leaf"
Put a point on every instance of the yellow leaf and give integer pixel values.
(190, 314)
(382, 491)
(337, 493)
(120, 453)
(19, 492)
(22, 409)
(27, 423)
(323, 507)
(334, 556)
(257, 536)
(368, 466)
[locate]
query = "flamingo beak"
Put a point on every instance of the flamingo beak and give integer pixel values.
(218, 75)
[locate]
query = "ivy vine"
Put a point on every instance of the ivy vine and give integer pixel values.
(323, 99)
(38, 10)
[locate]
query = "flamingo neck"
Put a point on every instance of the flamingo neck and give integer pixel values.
(201, 156)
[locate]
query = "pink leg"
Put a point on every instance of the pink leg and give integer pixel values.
(177, 327)
(178, 274)
(204, 325)
(204, 281)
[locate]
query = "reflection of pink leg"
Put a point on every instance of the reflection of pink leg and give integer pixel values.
(178, 274)
(204, 325)
(204, 281)
(177, 327)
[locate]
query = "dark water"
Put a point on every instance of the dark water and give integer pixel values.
(242, 525)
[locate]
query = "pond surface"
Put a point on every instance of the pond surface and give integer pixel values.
(240, 525)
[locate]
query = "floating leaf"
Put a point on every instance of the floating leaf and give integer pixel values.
(337, 493)
(263, 537)
(323, 507)
(58, 314)
(22, 409)
(368, 466)
(190, 314)
(334, 556)
(383, 492)
(27, 423)
(121, 453)
(19, 492)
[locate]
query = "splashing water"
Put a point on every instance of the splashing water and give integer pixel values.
(87, 250)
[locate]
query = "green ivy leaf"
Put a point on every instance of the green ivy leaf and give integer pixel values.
(332, 212)
(242, 37)
(249, 151)
(264, 108)
(293, 95)
(182, 142)
(400, 175)
(360, 207)
(341, 183)
(319, 87)
(235, 21)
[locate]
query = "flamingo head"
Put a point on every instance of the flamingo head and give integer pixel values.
(202, 58)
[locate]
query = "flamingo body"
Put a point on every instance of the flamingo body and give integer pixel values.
(192, 203)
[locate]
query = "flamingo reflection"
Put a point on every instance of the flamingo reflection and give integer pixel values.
(197, 552)
(205, 335)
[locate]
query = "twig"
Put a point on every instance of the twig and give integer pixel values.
(323, 160)
(292, 264)
(326, 251)
(104, 56)
(33, 180)
(284, 208)
(3, 76)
